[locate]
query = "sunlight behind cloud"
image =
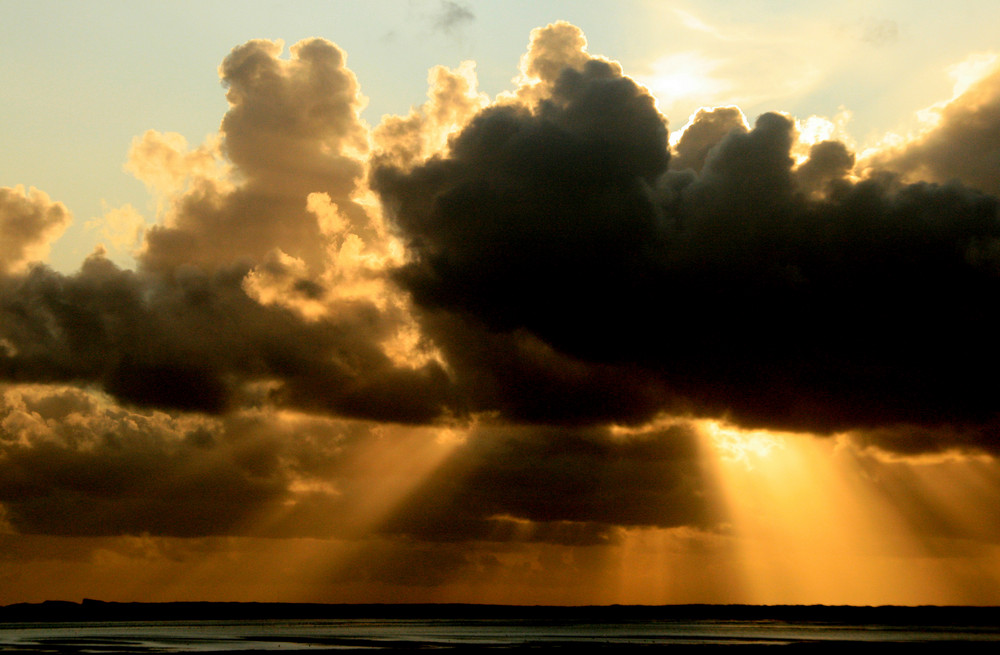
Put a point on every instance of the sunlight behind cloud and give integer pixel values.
(684, 76)
(970, 70)
(745, 447)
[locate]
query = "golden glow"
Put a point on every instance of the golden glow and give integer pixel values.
(970, 70)
(792, 518)
(814, 521)
(817, 129)
(368, 482)
(659, 566)
(682, 76)
(745, 447)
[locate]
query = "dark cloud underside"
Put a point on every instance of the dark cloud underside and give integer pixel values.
(780, 296)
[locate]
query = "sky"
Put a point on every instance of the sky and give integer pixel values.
(526, 302)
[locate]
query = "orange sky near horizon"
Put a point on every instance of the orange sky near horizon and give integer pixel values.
(805, 520)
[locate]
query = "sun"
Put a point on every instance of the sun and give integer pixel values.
(746, 447)
(682, 76)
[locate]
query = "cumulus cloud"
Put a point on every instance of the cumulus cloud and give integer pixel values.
(165, 164)
(452, 100)
(29, 222)
(963, 144)
(120, 227)
(264, 238)
(780, 295)
(293, 128)
(706, 129)
(551, 50)
(196, 341)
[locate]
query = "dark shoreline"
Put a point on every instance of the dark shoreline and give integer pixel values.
(101, 611)
(208, 628)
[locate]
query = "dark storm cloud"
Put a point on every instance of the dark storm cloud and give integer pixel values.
(829, 165)
(73, 467)
(558, 485)
(527, 380)
(930, 440)
(195, 341)
(707, 129)
(777, 296)
(578, 173)
(74, 463)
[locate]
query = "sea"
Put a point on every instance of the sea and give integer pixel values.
(506, 633)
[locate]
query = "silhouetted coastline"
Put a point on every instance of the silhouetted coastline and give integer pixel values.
(96, 611)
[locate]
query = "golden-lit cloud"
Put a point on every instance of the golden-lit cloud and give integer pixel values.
(452, 99)
(121, 228)
(29, 222)
(166, 165)
(292, 129)
(960, 140)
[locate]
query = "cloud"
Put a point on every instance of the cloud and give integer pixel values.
(452, 99)
(264, 244)
(876, 32)
(549, 258)
(76, 463)
(963, 144)
(165, 164)
(706, 129)
(880, 32)
(121, 227)
(539, 272)
(293, 128)
(780, 295)
(551, 49)
(29, 222)
(197, 342)
(453, 15)
(592, 481)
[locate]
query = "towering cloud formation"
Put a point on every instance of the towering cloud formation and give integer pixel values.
(265, 270)
(547, 271)
(292, 129)
(739, 285)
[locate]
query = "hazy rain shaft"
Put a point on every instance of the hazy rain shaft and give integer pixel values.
(535, 294)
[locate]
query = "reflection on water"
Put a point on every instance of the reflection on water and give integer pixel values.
(389, 634)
